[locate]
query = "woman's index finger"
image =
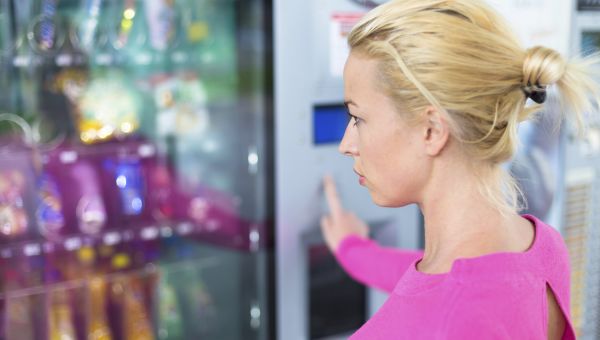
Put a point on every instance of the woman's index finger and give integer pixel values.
(331, 194)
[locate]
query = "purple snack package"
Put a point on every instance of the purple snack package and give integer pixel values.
(49, 214)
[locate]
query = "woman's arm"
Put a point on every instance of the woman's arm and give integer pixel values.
(364, 260)
(373, 265)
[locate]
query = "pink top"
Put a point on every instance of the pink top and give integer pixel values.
(495, 296)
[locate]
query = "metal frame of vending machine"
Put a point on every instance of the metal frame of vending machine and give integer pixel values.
(581, 191)
(314, 298)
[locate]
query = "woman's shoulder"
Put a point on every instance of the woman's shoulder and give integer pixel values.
(546, 260)
(547, 256)
(551, 255)
(546, 231)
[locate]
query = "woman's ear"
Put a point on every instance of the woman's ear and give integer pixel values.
(436, 131)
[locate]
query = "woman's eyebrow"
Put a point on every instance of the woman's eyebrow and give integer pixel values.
(349, 102)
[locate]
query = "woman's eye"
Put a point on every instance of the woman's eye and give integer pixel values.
(356, 119)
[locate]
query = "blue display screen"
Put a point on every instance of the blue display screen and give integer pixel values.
(329, 123)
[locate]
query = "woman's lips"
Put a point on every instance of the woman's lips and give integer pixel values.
(361, 178)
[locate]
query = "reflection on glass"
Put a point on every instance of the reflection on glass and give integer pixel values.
(85, 30)
(109, 107)
(7, 35)
(48, 30)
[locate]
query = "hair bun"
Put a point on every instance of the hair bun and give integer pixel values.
(542, 66)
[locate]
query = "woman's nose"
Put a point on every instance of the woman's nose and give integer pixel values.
(348, 144)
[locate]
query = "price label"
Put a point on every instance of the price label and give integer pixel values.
(112, 238)
(149, 233)
(72, 243)
(32, 249)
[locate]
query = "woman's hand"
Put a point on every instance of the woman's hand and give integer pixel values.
(339, 223)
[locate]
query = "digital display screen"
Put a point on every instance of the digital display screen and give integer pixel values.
(590, 42)
(329, 123)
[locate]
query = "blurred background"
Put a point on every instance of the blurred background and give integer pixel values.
(161, 165)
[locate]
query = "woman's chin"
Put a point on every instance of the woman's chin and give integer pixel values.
(385, 202)
(382, 201)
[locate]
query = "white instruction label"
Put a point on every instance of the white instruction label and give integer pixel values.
(340, 26)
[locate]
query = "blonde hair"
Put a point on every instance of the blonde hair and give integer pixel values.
(461, 57)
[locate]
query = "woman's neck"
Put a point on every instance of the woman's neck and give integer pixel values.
(460, 222)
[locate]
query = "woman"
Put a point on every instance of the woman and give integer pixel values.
(435, 90)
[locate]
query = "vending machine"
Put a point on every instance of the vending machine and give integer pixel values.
(135, 169)
(161, 165)
(581, 220)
